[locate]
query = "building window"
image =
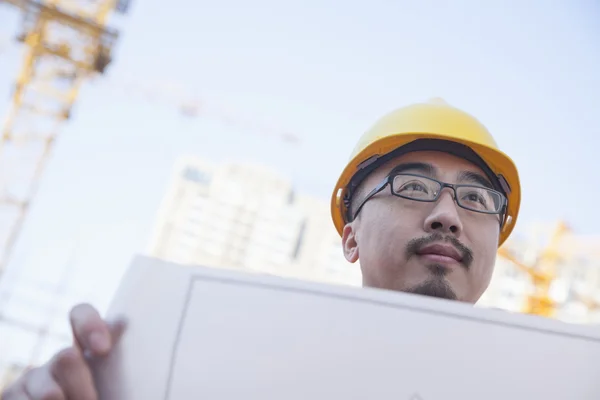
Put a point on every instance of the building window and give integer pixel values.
(195, 175)
(300, 240)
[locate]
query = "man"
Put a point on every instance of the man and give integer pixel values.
(424, 202)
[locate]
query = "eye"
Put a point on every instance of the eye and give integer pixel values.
(414, 186)
(476, 197)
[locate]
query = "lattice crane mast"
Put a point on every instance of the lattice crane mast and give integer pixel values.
(66, 43)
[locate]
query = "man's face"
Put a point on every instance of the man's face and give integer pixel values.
(391, 234)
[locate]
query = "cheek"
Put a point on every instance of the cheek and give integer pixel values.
(386, 231)
(485, 246)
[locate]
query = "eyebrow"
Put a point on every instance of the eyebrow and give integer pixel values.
(414, 166)
(474, 177)
(430, 170)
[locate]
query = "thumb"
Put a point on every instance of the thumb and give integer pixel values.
(116, 327)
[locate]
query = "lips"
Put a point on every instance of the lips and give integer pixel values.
(442, 252)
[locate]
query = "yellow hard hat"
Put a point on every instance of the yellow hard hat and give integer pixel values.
(421, 127)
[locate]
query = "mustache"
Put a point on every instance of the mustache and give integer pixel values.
(413, 247)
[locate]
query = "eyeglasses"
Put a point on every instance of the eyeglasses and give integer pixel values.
(420, 188)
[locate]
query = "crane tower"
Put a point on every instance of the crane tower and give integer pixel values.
(66, 43)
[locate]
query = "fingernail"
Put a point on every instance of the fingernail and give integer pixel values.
(100, 343)
(119, 321)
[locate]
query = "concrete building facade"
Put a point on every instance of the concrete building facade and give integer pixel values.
(247, 217)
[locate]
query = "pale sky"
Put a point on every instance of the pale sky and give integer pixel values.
(325, 70)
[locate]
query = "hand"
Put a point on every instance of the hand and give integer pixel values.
(67, 375)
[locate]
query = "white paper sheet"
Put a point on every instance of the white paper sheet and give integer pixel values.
(201, 333)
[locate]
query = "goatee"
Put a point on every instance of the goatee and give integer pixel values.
(435, 287)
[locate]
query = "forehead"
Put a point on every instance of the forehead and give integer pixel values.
(443, 166)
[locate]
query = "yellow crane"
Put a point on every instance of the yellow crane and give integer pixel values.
(66, 43)
(543, 273)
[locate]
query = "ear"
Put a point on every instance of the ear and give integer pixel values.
(349, 243)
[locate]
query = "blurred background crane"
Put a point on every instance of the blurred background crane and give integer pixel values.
(68, 43)
(173, 94)
(543, 273)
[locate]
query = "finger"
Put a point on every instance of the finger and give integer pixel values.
(38, 384)
(90, 332)
(115, 329)
(73, 375)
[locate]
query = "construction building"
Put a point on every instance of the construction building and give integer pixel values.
(247, 217)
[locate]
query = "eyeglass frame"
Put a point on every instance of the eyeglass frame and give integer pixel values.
(389, 179)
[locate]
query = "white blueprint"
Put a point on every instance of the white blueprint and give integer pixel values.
(200, 333)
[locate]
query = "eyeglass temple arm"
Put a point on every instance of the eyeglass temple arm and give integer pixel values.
(372, 193)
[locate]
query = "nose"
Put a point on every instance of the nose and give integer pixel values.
(444, 217)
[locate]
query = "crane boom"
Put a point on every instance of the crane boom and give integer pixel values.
(192, 106)
(67, 42)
